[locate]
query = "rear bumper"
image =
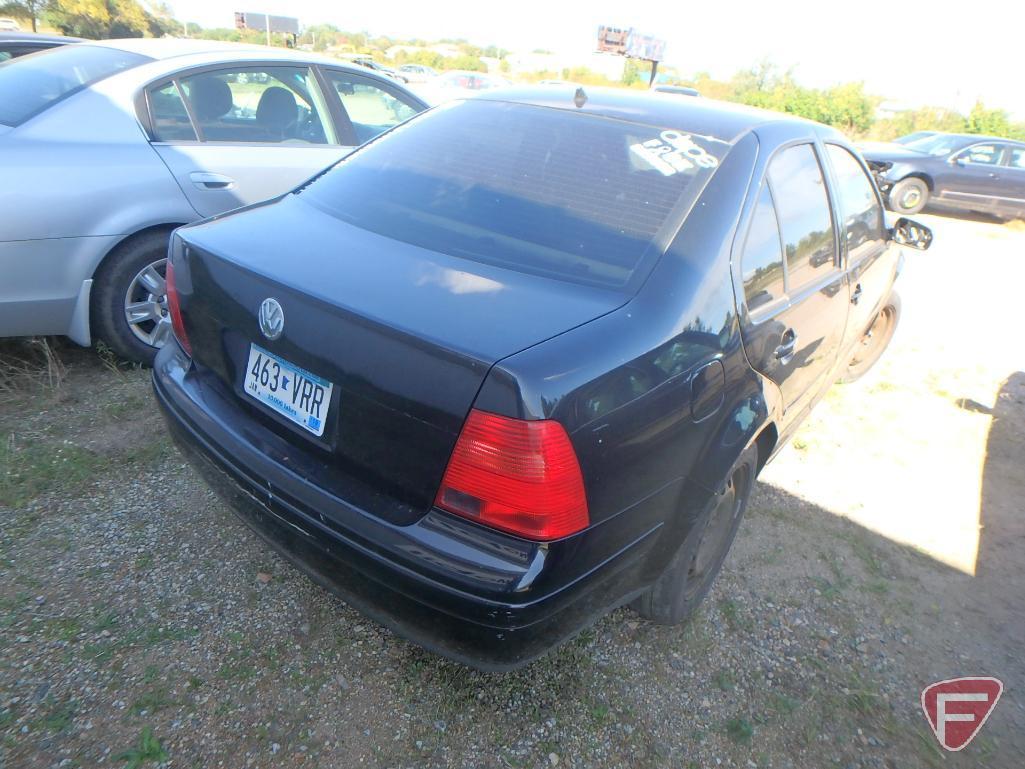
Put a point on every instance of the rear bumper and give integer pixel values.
(482, 598)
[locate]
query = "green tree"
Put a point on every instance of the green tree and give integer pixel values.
(464, 61)
(100, 19)
(994, 122)
(24, 9)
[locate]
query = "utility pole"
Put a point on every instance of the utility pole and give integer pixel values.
(266, 16)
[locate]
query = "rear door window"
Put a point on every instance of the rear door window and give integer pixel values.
(31, 84)
(170, 117)
(806, 222)
(272, 105)
(762, 261)
(566, 195)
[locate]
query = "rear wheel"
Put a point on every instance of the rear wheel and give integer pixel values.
(691, 572)
(129, 308)
(909, 196)
(874, 341)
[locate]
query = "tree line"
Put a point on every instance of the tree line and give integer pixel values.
(847, 106)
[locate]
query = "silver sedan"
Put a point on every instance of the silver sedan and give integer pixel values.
(106, 147)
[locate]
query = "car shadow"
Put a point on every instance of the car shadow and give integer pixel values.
(970, 216)
(851, 604)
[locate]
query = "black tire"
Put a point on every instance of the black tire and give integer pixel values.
(908, 196)
(110, 288)
(693, 569)
(874, 341)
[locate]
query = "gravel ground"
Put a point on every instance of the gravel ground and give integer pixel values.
(142, 625)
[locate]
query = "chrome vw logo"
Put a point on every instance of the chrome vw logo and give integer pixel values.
(272, 318)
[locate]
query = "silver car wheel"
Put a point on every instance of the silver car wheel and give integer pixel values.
(911, 198)
(146, 305)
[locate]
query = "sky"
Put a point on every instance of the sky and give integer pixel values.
(914, 53)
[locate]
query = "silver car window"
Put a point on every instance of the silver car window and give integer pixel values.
(272, 105)
(31, 84)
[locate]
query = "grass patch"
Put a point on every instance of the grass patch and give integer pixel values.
(29, 365)
(739, 730)
(105, 621)
(782, 704)
(152, 701)
(62, 629)
(27, 470)
(147, 749)
(731, 611)
(144, 562)
(873, 561)
(725, 680)
(58, 718)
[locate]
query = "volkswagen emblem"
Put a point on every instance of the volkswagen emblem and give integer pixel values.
(272, 318)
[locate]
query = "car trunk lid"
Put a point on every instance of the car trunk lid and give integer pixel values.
(405, 335)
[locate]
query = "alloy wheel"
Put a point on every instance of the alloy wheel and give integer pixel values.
(146, 305)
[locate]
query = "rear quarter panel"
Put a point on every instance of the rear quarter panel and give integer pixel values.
(622, 384)
(84, 169)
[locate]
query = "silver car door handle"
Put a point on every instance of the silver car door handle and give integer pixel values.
(208, 181)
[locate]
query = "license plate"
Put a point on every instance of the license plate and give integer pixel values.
(293, 392)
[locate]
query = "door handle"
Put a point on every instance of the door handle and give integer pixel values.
(856, 295)
(208, 181)
(787, 347)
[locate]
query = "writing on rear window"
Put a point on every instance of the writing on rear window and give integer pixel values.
(546, 191)
(674, 152)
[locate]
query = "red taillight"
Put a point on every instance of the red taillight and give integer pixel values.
(516, 475)
(174, 307)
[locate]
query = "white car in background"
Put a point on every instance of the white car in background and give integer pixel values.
(106, 147)
(457, 83)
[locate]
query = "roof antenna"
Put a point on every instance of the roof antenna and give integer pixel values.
(580, 98)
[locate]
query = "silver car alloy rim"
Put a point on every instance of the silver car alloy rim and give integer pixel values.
(146, 305)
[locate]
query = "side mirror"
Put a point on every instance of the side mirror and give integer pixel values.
(959, 160)
(907, 232)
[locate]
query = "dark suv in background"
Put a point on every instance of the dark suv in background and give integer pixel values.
(957, 171)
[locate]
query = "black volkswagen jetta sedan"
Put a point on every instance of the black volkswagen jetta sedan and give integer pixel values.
(520, 360)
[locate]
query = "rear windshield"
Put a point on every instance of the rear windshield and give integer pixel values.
(30, 84)
(535, 189)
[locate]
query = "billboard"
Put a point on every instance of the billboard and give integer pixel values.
(629, 42)
(263, 22)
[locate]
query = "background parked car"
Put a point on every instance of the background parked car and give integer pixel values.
(15, 44)
(550, 389)
(9, 25)
(680, 90)
(457, 83)
(960, 171)
(89, 199)
(367, 61)
(913, 137)
(417, 73)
